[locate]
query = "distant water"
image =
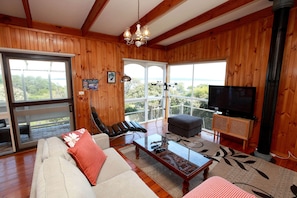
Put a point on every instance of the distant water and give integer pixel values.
(188, 82)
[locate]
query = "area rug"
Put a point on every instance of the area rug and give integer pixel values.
(254, 175)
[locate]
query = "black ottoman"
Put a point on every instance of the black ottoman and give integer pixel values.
(184, 125)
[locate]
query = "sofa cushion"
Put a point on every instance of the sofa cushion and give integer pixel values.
(59, 178)
(88, 156)
(71, 138)
(54, 146)
(113, 165)
(126, 184)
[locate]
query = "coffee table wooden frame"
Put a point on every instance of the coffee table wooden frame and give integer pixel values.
(187, 177)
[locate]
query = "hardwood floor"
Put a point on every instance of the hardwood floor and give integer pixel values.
(16, 174)
(16, 170)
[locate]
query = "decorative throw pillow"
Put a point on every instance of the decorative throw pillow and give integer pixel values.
(88, 156)
(71, 138)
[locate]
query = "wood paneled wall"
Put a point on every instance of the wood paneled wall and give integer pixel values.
(244, 44)
(246, 49)
(93, 58)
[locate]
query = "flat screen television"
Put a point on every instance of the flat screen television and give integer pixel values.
(234, 101)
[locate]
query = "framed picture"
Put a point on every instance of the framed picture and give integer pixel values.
(111, 77)
(90, 84)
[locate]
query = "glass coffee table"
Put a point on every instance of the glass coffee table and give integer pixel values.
(181, 160)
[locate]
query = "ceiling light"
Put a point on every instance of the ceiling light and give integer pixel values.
(140, 37)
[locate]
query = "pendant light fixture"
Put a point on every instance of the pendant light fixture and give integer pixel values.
(140, 37)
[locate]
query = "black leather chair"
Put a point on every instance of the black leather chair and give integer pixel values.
(115, 129)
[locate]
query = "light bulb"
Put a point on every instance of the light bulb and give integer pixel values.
(138, 43)
(127, 34)
(145, 32)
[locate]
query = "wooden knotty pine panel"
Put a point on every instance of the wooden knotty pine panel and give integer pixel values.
(93, 58)
(245, 47)
(246, 50)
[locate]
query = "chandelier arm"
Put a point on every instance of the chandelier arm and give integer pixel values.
(130, 42)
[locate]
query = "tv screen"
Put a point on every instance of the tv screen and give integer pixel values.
(232, 100)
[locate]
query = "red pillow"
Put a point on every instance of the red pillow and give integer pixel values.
(71, 138)
(88, 156)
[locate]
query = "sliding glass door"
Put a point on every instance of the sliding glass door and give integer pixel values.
(39, 91)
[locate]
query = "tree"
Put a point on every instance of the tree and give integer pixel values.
(201, 91)
(35, 88)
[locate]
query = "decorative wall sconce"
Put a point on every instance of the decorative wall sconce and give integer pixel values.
(125, 78)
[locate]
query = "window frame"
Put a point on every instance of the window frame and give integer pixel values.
(146, 99)
(192, 109)
(13, 105)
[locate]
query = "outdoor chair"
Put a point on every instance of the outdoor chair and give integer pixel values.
(5, 131)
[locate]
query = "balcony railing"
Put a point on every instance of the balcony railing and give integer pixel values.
(156, 113)
(204, 114)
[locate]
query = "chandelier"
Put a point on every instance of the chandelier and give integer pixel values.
(140, 37)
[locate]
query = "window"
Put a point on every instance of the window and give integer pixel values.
(143, 94)
(190, 95)
(38, 80)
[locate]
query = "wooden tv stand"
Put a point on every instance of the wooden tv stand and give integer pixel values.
(234, 126)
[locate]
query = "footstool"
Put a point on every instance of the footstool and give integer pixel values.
(184, 125)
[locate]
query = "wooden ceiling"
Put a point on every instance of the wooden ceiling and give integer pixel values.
(171, 22)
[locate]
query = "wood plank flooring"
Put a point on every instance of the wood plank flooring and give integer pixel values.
(16, 170)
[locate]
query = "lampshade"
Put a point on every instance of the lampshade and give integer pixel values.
(125, 78)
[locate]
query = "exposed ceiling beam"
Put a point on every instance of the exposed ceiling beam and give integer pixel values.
(96, 9)
(13, 20)
(211, 14)
(225, 27)
(56, 28)
(28, 13)
(10, 20)
(158, 11)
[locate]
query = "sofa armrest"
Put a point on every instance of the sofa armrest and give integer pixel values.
(102, 140)
(37, 164)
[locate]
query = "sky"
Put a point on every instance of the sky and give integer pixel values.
(210, 73)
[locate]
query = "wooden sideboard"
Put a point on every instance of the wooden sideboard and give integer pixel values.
(234, 126)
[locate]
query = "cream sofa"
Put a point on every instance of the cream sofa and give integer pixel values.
(56, 174)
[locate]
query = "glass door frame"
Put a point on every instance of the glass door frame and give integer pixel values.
(6, 115)
(14, 104)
